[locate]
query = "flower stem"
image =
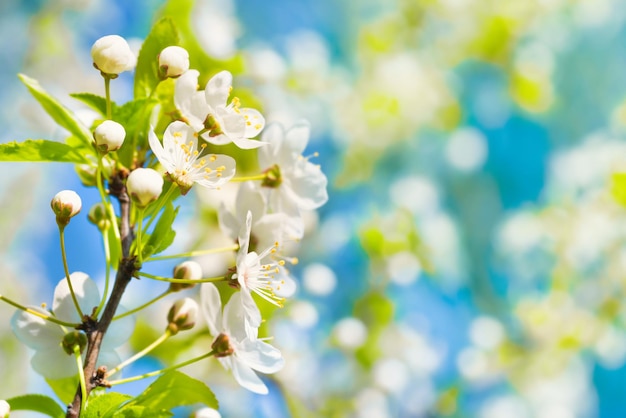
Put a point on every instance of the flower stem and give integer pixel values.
(261, 176)
(138, 246)
(174, 280)
(234, 247)
(107, 93)
(81, 378)
(156, 372)
(106, 202)
(39, 314)
(142, 353)
(107, 272)
(67, 272)
(145, 305)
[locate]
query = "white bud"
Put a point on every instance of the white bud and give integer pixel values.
(144, 186)
(109, 136)
(65, 204)
(112, 55)
(173, 61)
(187, 270)
(182, 315)
(5, 409)
(207, 413)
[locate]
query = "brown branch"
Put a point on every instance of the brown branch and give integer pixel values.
(96, 330)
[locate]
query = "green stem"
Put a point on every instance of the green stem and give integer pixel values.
(145, 305)
(156, 372)
(107, 92)
(261, 176)
(174, 280)
(39, 314)
(107, 203)
(81, 377)
(234, 247)
(67, 273)
(107, 273)
(142, 353)
(139, 244)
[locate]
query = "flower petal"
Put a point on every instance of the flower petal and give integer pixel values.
(54, 363)
(252, 318)
(211, 306)
(273, 136)
(246, 377)
(34, 331)
(284, 285)
(309, 184)
(234, 318)
(218, 89)
(296, 138)
(120, 332)
(86, 292)
(228, 222)
(254, 122)
(249, 199)
(260, 356)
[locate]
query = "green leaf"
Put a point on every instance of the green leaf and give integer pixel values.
(61, 115)
(105, 405)
(141, 412)
(40, 150)
(163, 234)
(65, 388)
(163, 34)
(174, 389)
(38, 403)
(135, 116)
(97, 103)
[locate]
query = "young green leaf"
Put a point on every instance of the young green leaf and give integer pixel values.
(135, 116)
(163, 234)
(37, 403)
(163, 34)
(40, 150)
(97, 103)
(174, 389)
(105, 405)
(65, 389)
(61, 115)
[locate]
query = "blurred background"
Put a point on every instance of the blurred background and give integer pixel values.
(469, 262)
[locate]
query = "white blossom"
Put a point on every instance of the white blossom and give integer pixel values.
(246, 354)
(182, 315)
(293, 182)
(66, 204)
(112, 55)
(5, 409)
(144, 185)
(173, 61)
(210, 114)
(184, 161)
(109, 135)
(50, 359)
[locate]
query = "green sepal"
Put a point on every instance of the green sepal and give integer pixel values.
(171, 390)
(162, 35)
(59, 113)
(40, 150)
(37, 403)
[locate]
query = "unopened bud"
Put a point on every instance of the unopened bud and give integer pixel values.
(187, 270)
(173, 61)
(73, 339)
(144, 186)
(98, 216)
(109, 136)
(65, 204)
(221, 346)
(5, 409)
(207, 413)
(182, 315)
(112, 55)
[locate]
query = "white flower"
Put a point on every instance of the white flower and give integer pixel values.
(112, 55)
(5, 409)
(253, 276)
(209, 113)
(173, 61)
(66, 204)
(50, 359)
(245, 354)
(206, 413)
(144, 185)
(182, 315)
(293, 182)
(184, 162)
(267, 228)
(109, 136)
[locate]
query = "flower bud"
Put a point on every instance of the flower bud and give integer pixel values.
(173, 61)
(187, 270)
(109, 136)
(112, 55)
(182, 315)
(144, 186)
(65, 204)
(72, 339)
(207, 413)
(98, 216)
(5, 409)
